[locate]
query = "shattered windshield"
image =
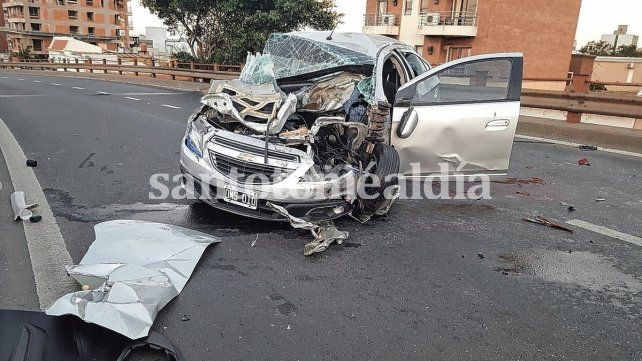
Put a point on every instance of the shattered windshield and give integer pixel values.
(293, 55)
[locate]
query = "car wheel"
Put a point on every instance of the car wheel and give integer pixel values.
(386, 170)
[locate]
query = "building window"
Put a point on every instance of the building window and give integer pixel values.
(72, 14)
(73, 2)
(74, 30)
(60, 2)
(408, 8)
(89, 2)
(34, 13)
(91, 30)
(37, 45)
(90, 16)
(424, 6)
(383, 7)
(35, 27)
(117, 19)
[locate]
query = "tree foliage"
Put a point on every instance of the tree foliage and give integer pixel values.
(599, 48)
(224, 31)
(603, 48)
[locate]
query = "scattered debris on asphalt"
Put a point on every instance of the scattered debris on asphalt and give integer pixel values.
(32, 163)
(133, 269)
(325, 233)
(523, 194)
(254, 242)
(35, 219)
(545, 222)
(185, 318)
(518, 181)
(481, 255)
(569, 206)
(584, 161)
(588, 147)
(20, 208)
(600, 200)
(27, 335)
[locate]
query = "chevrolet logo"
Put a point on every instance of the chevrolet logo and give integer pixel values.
(246, 157)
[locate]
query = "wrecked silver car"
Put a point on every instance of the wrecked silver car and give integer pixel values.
(321, 125)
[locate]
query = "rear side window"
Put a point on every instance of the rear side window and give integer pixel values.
(416, 63)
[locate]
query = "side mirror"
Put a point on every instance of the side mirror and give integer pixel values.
(409, 121)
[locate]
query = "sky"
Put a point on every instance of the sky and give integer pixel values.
(597, 17)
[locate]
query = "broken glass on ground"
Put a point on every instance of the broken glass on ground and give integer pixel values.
(131, 271)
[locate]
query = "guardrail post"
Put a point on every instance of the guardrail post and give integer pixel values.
(153, 65)
(120, 63)
(136, 64)
(105, 63)
(91, 69)
(64, 68)
(78, 68)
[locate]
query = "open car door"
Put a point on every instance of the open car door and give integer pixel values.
(463, 114)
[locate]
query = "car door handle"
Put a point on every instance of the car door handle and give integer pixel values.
(498, 124)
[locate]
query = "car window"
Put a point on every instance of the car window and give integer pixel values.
(416, 63)
(486, 80)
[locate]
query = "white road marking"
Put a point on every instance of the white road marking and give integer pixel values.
(104, 93)
(575, 145)
(77, 87)
(132, 98)
(37, 81)
(607, 232)
(170, 106)
(47, 248)
(139, 94)
(5, 77)
(21, 79)
(56, 84)
(22, 95)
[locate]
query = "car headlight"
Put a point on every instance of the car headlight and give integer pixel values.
(196, 130)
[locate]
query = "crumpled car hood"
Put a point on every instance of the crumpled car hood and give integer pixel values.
(132, 270)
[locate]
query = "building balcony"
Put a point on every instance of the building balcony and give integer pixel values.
(448, 23)
(382, 24)
(16, 19)
(10, 4)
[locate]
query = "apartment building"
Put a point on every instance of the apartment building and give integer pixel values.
(33, 23)
(445, 30)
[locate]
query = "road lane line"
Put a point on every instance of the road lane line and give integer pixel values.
(103, 93)
(47, 249)
(607, 232)
(170, 106)
(22, 95)
(5, 77)
(138, 94)
(77, 87)
(21, 79)
(132, 98)
(56, 84)
(37, 81)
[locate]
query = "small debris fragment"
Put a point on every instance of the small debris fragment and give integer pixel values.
(584, 161)
(32, 163)
(86, 287)
(254, 242)
(288, 327)
(35, 219)
(481, 255)
(545, 222)
(600, 200)
(569, 206)
(185, 318)
(588, 147)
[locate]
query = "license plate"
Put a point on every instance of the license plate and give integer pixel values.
(247, 199)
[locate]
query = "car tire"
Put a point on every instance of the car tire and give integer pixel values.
(386, 169)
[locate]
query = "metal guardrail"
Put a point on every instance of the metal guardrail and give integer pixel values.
(574, 103)
(216, 72)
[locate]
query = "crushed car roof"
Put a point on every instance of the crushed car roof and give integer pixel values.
(306, 52)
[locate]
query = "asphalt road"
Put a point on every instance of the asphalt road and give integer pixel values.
(436, 279)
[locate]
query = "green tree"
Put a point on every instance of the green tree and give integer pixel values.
(599, 48)
(225, 30)
(629, 51)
